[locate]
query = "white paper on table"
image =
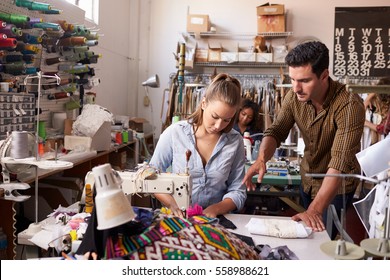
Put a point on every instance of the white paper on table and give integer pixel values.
(278, 228)
(49, 233)
(42, 239)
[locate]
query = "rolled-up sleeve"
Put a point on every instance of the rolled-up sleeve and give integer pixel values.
(236, 190)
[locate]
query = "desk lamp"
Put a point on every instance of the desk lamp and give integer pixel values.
(153, 82)
(112, 206)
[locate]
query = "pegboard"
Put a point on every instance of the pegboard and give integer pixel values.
(70, 13)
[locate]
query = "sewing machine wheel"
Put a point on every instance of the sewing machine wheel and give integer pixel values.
(5, 151)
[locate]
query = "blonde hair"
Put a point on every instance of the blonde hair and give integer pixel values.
(223, 88)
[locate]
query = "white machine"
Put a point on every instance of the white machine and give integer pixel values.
(147, 180)
(177, 185)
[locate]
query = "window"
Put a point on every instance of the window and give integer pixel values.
(91, 8)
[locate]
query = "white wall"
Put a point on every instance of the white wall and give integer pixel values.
(140, 37)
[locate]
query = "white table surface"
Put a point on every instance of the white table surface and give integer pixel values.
(303, 248)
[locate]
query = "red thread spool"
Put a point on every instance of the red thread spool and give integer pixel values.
(8, 43)
(118, 138)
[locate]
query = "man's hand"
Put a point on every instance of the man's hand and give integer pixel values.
(258, 167)
(311, 218)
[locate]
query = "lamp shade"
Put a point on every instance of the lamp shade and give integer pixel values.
(112, 206)
(153, 82)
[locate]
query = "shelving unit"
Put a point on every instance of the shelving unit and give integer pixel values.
(246, 35)
(228, 36)
(241, 64)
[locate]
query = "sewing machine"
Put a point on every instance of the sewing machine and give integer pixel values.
(148, 181)
(177, 185)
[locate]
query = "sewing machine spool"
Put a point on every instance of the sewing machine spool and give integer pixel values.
(342, 250)
(376, 247)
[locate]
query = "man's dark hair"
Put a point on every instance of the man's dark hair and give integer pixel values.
(314, 53)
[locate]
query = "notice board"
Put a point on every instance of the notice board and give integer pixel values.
(362, 42)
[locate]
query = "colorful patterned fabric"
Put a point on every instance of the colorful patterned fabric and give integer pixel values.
(173, 238)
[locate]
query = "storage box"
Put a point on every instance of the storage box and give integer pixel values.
(280, 53)
(264, 57)
(246, 55)
(118, 160)
(198, 23)
(137, 124)
(270, 9)
(229, 56)
(201, 55)
(271, 18)
(214, 53)
(101, 141)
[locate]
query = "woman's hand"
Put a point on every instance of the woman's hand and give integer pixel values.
(169, 201)
(176, 211)
(211, 211)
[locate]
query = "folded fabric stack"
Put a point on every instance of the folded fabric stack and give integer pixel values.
(278, 228)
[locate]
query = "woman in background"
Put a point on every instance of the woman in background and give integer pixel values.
(378, 108)
(249, 120)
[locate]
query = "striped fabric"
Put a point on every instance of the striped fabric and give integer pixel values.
(173, 238)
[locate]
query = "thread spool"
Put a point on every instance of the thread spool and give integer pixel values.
(88, 198)
(4, 87)
(59, 95)
(42, 129)
(118, 137)
(125, 136)
(12, 31)
(248, 146)
(13, 58)
(14, 18)
(92, 42)
(175, 119)
(72, 41)
(8, 43)
(19, 145)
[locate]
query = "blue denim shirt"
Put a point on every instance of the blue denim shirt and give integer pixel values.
(219, 179)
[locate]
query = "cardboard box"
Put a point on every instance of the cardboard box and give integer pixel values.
(271, 18)
(201, 55)
(214, 53)
(270, 9)
(198, 23)
(118, 160)
(101, 141)
(137, 124)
